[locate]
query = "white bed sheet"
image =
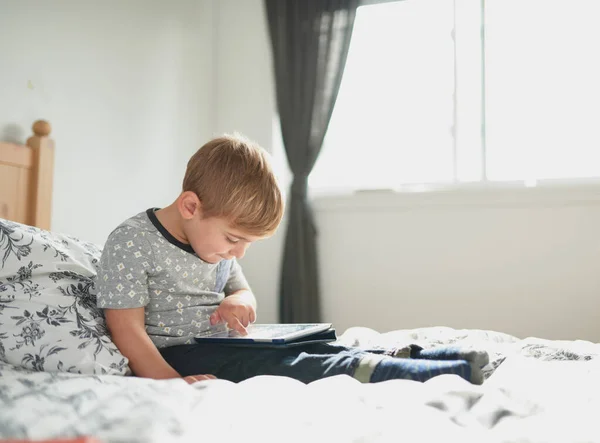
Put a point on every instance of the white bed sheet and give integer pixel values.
(543, 391)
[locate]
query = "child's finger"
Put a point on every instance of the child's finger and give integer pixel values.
(252, 316)
(191, 379)
(215, 318)
(205, 377)
(235, 324)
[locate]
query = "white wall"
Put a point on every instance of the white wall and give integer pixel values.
(525, 262)
(127, 87)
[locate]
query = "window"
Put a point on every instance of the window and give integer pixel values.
(439, 91)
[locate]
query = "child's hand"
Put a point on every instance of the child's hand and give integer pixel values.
(191, 379)
(236, 311)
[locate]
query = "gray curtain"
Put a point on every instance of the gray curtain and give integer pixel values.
(310, 40)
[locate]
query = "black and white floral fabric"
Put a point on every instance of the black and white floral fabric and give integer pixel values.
(48, 316)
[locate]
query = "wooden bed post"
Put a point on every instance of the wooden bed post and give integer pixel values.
(42, 170)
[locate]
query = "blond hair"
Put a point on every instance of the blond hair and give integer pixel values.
(233, 178)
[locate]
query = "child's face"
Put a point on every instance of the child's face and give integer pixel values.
(214, 240)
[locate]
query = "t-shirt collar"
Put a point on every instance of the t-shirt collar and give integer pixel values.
(166, 234)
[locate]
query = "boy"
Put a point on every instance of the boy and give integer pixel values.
(169, 275)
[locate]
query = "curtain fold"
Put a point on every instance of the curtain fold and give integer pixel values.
(310, 41)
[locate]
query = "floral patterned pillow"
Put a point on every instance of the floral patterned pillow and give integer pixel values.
(48, 315)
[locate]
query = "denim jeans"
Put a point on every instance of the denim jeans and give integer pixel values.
(305, 363)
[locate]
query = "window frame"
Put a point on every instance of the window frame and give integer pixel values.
(483, 181)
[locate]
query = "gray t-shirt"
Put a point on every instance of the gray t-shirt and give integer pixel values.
(143, 265)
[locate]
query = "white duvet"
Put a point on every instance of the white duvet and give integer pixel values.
(536, 391)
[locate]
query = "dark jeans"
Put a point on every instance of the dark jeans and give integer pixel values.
(304, 363)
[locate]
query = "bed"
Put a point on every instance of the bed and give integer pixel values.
(26, 173)
(60, 376)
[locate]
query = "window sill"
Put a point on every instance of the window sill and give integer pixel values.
(490, 194)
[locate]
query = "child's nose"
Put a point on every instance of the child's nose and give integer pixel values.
(239, 250)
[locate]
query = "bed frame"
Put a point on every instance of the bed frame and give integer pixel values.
(26, 175)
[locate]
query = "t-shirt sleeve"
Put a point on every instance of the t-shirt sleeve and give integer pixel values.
(236, 279)
(126, 259)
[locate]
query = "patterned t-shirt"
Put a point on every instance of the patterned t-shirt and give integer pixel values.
(143, 265)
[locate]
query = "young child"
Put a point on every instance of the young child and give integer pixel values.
(169, 275)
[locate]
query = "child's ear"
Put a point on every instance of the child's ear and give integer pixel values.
(189, 205)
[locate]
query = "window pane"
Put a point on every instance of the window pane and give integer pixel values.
(542, 89)
(394, 114)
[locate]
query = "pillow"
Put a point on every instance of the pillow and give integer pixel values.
(48, 315)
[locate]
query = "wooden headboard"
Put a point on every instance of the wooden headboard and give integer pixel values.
(26, 174)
